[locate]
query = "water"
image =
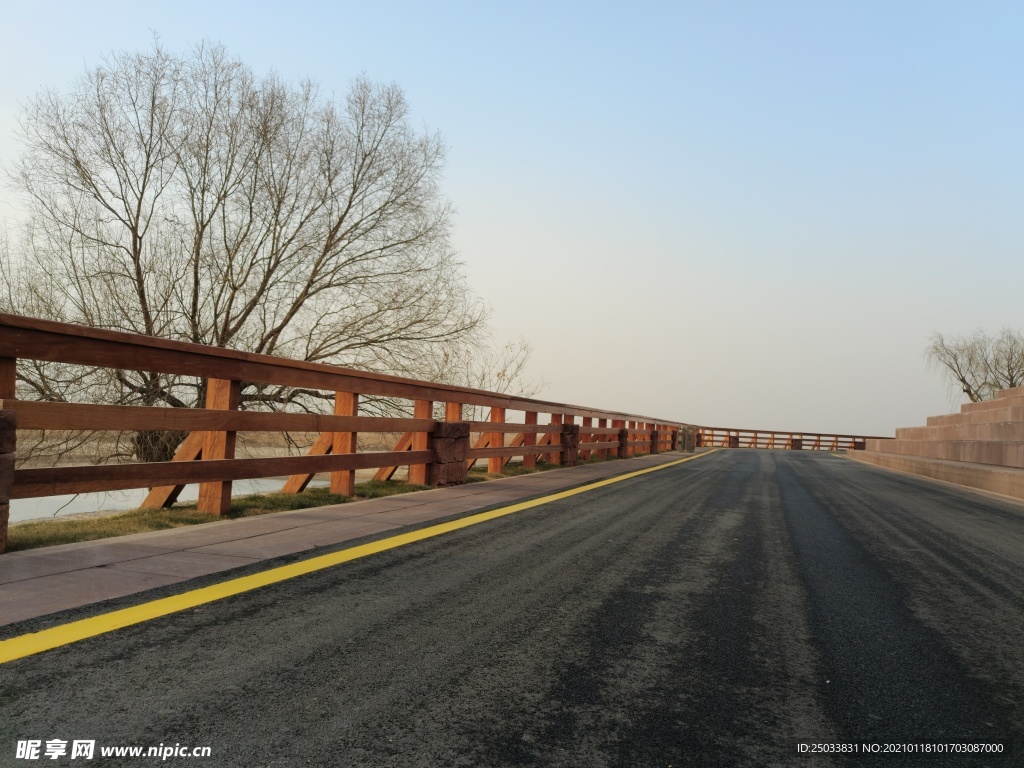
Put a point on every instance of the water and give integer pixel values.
(112, 501)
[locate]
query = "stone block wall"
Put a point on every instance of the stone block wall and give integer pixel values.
(450, 444)
(990, 432)
(570, 439)
(981, 447)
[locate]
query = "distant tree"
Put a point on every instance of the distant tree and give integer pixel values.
(980, 365)
(495, 369)
(182, 196)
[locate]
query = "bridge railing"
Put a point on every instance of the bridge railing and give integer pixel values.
(724, 437)
(435, 442)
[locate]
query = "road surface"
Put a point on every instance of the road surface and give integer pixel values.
(717, 613)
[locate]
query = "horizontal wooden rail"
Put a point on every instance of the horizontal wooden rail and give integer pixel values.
(600, 446)
(53, 481)
(490, 426)
(493, 453)
(788, 432)
(722, 437)
(34, 339)
(36, 415)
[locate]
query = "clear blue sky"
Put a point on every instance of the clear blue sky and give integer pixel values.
(742, 214)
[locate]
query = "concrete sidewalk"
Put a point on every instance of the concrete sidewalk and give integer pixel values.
(38, 582)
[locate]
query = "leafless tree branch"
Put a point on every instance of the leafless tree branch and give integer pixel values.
(980, 365)
(185, 197)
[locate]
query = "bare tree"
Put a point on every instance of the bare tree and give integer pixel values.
(980, 365)
(493, 368)
(185, 197)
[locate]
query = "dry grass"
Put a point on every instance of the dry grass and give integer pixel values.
(46, 533)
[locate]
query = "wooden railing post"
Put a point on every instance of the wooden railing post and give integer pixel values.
(497, 440)
(344, 481)
(529, 439)
(602, 424)
(453, 411)
(422, 409)
(655, 437)
(221, 395)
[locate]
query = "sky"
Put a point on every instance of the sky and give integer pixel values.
(738, 214)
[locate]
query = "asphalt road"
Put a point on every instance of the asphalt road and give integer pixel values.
(717, 613)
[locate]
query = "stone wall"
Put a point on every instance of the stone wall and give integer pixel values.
(450, 443)
(982, 446)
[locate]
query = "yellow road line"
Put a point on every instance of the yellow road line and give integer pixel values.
(65, 634)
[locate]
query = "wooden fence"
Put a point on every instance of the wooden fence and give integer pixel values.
(720, 437)
(436, 450)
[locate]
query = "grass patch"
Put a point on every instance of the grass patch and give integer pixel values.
(374, 489)
(47, 533)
